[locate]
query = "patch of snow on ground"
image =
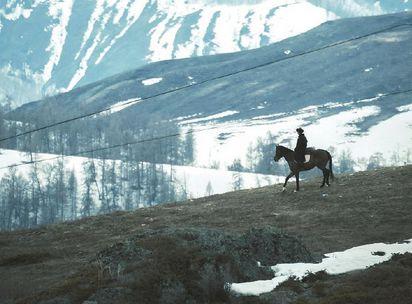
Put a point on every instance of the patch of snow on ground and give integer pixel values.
(332, 105)
(186, 117)
(405, 108)
(269, 116)
(121, 105)
(151, 81)
(191, 80)
(356, 258)
(211, 117)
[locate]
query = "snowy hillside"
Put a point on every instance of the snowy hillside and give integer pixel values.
(324, 126)
(50, 46)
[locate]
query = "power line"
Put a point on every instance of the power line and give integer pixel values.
(201, 82)
(191, 131)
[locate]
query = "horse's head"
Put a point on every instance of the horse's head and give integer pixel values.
(278, 154)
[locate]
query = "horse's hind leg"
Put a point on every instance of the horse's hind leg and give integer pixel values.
(324, 178)
(327, 177)
(326, 174)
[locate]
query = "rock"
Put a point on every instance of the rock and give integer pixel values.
(192, 265)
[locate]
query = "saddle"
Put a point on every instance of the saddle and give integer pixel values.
(308, 152)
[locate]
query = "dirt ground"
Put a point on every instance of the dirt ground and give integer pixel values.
(360, 208)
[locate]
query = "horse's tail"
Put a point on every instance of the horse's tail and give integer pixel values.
(330, 166)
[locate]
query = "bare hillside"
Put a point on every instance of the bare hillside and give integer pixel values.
(126, 255)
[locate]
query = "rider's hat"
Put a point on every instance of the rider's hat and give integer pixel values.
(299, 130)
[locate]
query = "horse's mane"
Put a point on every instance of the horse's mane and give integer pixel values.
(284, 148)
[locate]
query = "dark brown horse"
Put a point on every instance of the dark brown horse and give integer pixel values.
(318, 158)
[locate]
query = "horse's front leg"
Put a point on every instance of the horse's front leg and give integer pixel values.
(286, 180)
(297, 181)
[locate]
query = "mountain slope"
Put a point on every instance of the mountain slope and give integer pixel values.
(343, 92)
(78, 42)
(60, 261)
(49, 46)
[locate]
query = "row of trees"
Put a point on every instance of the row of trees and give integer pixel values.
(51, 193)
(100, 132)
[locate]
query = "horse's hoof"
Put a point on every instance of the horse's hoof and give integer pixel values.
(294, 191)
(283, 189)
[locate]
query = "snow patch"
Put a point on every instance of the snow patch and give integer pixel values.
(294, 19)
(356, 258)
(405, 108)
(18, 12)
(61, 11)
(211, 117)
(269, 116)
(151, 81)
(121, 105)
(186, 117)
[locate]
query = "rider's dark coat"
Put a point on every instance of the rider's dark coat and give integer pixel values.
(301, 148)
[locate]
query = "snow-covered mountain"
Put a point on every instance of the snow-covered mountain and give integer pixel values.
(56, 45)
(347, 95)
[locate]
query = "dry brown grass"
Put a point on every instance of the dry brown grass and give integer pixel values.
(25, 259)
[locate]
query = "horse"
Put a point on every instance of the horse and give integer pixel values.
(319, 158)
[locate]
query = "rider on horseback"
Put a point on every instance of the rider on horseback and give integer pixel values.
(319, 158)
(300, 146)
